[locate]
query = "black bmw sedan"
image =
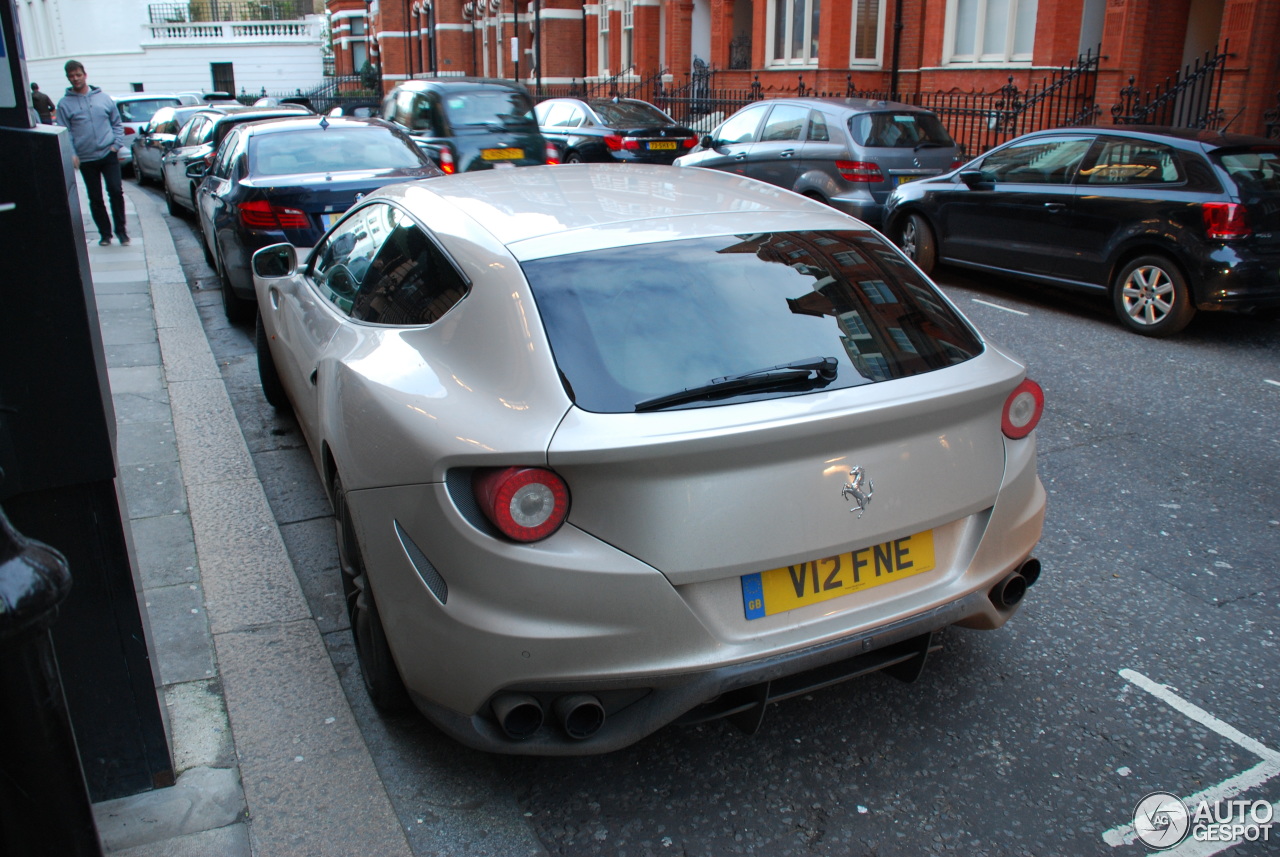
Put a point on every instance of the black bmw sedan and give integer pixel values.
(607, 130)
(1164, 221)
(288, 180)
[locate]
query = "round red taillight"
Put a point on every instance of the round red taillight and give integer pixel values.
(526, 503)
(1022, 410)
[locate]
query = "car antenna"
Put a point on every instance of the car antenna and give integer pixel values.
(1223, 129)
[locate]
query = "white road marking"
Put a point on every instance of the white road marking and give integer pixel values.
(997, 306)
(1228, 788)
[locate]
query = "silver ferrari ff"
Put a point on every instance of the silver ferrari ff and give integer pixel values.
(612, 447)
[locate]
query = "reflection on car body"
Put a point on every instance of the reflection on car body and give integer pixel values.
(614, 446)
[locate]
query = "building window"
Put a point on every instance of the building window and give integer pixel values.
(603, 30)
(793, 32)
(868, 33)
(990, 31)
(627, 59)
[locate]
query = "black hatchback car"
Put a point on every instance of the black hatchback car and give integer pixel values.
(605, 130)
(465, 123)
(289, 180)
(1165, 221)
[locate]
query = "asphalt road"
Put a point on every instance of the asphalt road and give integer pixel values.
(1144, 660)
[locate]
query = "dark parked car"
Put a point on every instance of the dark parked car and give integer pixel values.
(1165, 221)
(847, 152)
(288, 180)
(467, 124)
(154, 140)
(199, 139)
(612, 129)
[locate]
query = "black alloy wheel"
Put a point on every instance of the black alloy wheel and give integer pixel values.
(272, 389)
(237, 308)
(1151, 297)
(382, 680)
(918, 243)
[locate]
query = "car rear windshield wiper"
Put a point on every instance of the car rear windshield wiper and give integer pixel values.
(818, 371)
(929, 144)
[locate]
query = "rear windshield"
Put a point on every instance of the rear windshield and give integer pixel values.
(898, 130)
(631, 324)
(484, 108)
(630, 113)
(1254, 170)
(324, 150)
(142, 110)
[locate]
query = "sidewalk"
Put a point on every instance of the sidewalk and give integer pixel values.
(268, 757)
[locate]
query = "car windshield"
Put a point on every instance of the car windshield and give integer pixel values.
(630, 113)
(325, 150)
(633, 324)
(1255, 170)
(488, 107)
(143, 109)
(898, 130)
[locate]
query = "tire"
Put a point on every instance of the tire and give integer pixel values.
(382, 679)
(574, 158)
(918, 243)
(138, 175)
(272, 388)
(237, 308)
(174, 210)
(1151, 297)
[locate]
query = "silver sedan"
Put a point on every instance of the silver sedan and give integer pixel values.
(612, 447)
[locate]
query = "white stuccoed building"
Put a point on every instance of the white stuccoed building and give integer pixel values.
(133, 45)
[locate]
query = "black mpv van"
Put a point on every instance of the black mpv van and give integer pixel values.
(467, 123)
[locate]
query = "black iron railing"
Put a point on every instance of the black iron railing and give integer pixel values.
(1189, 99)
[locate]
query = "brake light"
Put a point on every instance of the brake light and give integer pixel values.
(128, 130)
(956, 164)
(690, 142)
(209, 159)
(260, 214)
(553, 154)
(447, 165)
(1022, 410)
(859, 171)
(614, 142)
(1225, 221)
(526, 503)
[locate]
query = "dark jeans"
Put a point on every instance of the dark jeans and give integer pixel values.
(94, 174)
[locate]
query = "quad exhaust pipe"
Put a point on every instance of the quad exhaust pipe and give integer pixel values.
(1009, 591)
(520, 715)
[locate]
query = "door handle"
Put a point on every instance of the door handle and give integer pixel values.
(739, 156)
(274, 296)
(786, 153)
(1055, 206)
(314, 372)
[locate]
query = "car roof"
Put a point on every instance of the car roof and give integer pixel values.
(551, 210)
(280, 123)
(461, 83)
(241, 111)
(1204, 137)
(146, 96)
(858, 105)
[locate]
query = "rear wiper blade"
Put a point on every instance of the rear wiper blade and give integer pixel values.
(929, 144)
(812, 369)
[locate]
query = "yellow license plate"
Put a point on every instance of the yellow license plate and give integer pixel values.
(501, 154)
(778, 590)
(662, 144)
(905, 179)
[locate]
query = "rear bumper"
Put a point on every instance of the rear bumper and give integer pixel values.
(1239, 279)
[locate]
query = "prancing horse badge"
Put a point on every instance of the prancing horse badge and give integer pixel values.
(859, 489)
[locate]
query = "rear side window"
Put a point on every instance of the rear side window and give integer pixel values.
(898, 130)
(1132, 162)
(1254, 170)
(630, 324)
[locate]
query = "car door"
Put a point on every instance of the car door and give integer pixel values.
(214, 207)
(730, 143)
(1011, 215)
(175, 162)
(775, 157)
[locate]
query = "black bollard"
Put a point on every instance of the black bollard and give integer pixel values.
(44, 803)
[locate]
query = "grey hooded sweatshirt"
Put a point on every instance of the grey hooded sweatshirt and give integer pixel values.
(94, 123)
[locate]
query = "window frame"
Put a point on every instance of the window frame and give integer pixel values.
(1008, 55)
(855, 27)
(811, 8)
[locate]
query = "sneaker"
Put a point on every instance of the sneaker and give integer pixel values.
(104, 241)
(124, 239)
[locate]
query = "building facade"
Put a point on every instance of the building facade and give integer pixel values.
(900, 46)
(134, 45)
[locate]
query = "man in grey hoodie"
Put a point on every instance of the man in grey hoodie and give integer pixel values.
(97, 135)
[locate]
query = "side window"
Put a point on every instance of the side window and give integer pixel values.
(1132, 162)
(576, 118)
(1039, 161)
(341, 264)
(818, 132)
(410, 280)
(226, 155)
(741, 128)
(556, 116)
(190, 135)
(785, 122)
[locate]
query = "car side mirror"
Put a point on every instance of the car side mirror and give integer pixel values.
(707, 141)
(197, 171)
(165, 141)
(275, 262)
(973, 178)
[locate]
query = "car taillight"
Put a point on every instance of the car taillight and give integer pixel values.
(209, 159)
(1022, 410)
(614, 142)
(128, 131)
(689, 142)
(1226, 220)
(956, 164)
(526, 503)
(553, 154)
(260, 214)
(447, 165)
(859, 171)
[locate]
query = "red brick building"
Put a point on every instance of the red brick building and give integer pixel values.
(907, 46)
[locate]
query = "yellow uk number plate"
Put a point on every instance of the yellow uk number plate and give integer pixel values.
(662, 144)
(778, 590)
(501, 154)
